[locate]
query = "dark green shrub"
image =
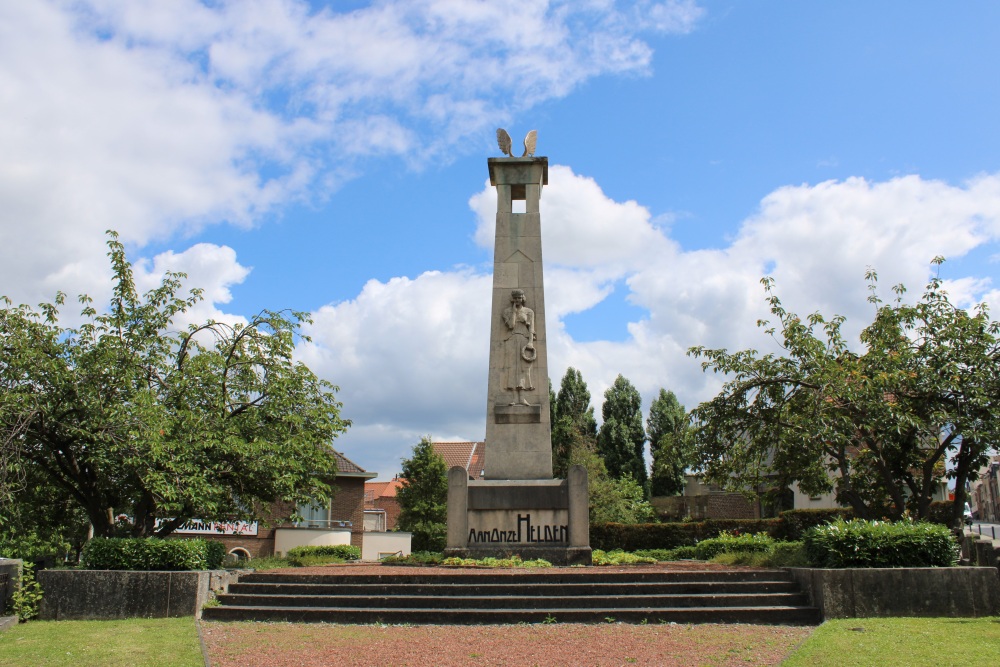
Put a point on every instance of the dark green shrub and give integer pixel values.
(859, 543)
(635, 537)
(429, 536)
(341, 551)
(797, 522)
(940, 512)
(685, 553)
(215, 554)
(415, 558)
(619, 557)
(728, 543)
(113, 553)
(788, 554)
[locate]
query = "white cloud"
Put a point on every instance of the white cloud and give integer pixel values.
(816, 240)
(158, 117)
(209, 267)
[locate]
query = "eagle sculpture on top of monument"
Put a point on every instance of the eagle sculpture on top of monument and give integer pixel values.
(503, 139)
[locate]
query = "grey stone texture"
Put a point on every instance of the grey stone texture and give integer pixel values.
(531, 518)
(117, 594)
(958, 592)
(10, 577)
(518, 433)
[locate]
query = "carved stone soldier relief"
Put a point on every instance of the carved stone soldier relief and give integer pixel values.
(519, 347)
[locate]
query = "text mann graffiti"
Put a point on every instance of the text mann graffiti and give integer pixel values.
(524, 534)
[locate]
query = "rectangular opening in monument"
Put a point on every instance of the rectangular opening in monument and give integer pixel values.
(517, 191)
(519, 206)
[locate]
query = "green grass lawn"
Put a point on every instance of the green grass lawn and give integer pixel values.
(149, 642)
(907, 642)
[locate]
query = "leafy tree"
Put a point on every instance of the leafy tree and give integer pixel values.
(423, 497)
(132, 419)
(573, 419)
(669, 443)
(622, 438)
(611, 500)
(877, 426)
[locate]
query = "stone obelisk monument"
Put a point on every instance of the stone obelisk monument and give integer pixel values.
(518, 508)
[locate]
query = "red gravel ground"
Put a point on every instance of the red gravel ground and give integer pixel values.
(301, 645)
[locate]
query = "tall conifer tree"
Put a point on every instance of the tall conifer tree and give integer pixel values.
(622, 438)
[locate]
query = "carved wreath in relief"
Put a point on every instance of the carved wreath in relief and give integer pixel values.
(519, 346)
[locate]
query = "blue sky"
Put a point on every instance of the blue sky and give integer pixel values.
(331, 157)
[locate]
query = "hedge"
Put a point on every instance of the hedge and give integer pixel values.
(859, 543)
(797, 522)
(107, 553)
(340, 551)
(635, 537)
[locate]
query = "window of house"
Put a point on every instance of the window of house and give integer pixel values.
(314, 516)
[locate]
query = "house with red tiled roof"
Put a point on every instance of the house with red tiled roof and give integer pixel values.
(382, 508)
(339, 521)
(469, 455)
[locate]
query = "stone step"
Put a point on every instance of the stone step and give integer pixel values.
(625, 600)
(787, 615)
(583, 575)
(588, 595)
(474, 588)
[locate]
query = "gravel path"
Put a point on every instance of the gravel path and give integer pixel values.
(559, 644)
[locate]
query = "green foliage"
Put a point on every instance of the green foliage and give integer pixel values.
(876, 426)
(859, 543)
(306, 556)
(781, 554)
(31, 547)
(148, 554)
(415, 558)
(797, 522)
(621, 440)
(423, 497)
(267, 563)
(27, 595)
(572, 420)
(619, 557)
(341, 551)
(634, 537)
(134, 642)
(664, 555)
(727, 542)
(612, 500)
(669, 443)
(509, 562)
(131, 418)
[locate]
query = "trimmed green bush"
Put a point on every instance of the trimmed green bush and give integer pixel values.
(415, 558)
(151, 553)
(940, 512)
(797, 522)
(636, 537)
(318, 555)
(860, 543)
(618, 557)
(729, 543)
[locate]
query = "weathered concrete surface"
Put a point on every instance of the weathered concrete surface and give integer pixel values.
(532, 518)
(958, 592)
(10, 576)
(116, 594)
(518, 433)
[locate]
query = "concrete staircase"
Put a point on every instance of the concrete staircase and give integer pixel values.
(585, 596)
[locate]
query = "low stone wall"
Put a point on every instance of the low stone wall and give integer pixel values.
(980, 550)
(10, 576)
(116, 594)
(957, 592)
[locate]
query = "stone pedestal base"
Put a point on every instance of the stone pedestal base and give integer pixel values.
(530, 518)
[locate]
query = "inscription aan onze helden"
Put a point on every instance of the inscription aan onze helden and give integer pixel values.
(525, 533)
